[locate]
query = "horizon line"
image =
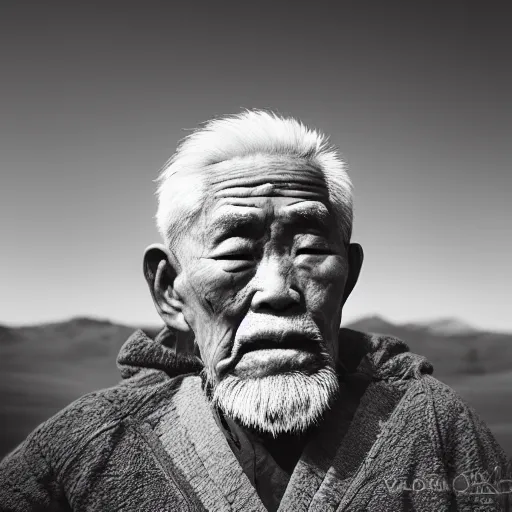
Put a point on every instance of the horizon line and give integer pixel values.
(371, 316)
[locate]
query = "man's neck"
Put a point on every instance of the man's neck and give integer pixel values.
(286, 449)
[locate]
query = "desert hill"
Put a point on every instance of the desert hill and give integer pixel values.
(453, 347)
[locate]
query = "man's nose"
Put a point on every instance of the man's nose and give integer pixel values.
(275, 287)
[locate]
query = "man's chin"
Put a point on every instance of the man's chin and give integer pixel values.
(277, 404)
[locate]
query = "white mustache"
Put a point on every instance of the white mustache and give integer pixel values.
(270, 331)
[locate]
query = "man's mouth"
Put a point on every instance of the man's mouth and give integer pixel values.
(291, 342)
(272, 353)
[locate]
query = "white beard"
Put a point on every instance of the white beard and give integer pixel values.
(277, 404)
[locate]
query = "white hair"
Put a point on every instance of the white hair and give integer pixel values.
(182, 189)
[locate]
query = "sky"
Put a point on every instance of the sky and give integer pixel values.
(94, 97)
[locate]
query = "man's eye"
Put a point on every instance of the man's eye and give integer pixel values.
(246, 256)
(236, 262)
(316, 251)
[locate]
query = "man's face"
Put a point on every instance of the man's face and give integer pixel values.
(263, 271)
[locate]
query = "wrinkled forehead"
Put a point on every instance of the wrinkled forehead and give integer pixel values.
(248, 188)
(240, 181)
(263, 176)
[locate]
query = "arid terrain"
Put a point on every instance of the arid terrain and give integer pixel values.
(45, 367)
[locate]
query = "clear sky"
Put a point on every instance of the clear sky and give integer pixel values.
(417, 95)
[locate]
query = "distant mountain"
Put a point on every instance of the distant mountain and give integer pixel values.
(45, 367)
(374, 323)
(452, 346)
(440, 326)
(446, 327)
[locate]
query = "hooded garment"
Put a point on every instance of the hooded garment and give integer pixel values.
(396, 439)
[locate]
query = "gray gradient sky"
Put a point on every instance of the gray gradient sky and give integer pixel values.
(95, 95)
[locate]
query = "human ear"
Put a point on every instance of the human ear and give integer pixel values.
(160, 274)
(355, 261)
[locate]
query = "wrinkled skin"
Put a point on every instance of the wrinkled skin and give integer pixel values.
(264, 261)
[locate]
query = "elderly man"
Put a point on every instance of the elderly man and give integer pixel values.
(252, 398)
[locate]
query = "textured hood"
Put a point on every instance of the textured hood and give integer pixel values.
(380, 357)
(376, 356)
(141, 352)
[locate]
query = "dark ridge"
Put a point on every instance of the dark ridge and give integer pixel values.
(8, 334)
